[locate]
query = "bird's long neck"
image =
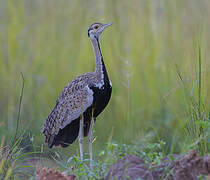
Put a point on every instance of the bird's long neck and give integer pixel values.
(100, 66)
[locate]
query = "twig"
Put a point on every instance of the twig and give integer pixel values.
(19, 108)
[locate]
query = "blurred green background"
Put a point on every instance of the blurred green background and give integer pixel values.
(149, 42)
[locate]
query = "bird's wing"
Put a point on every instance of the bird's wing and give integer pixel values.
(72, 102)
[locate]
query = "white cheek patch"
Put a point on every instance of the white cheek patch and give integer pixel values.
(94, 35)
(91, 35)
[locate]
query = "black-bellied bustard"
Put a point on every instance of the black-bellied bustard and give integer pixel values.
(80, 102)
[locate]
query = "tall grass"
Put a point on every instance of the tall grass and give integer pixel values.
(14, 160)
(198, 124)
(47, 41)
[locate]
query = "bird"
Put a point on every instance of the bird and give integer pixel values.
(80, 102)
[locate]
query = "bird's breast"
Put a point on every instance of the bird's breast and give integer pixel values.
(101, 97)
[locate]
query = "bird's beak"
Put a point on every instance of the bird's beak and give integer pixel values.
(107, 25)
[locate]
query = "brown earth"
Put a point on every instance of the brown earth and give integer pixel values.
(188, 167)
(51, 174)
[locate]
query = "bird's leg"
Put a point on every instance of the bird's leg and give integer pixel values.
(90, 140)
(81, 136)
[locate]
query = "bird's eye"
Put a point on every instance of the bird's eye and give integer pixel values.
(96, 27)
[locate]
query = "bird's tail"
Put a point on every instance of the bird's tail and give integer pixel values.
(67, 135)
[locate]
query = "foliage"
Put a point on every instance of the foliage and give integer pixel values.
(151, 153)
(198, 124)
(14, 160)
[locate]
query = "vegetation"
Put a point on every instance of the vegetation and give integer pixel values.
(157, 55)
(14, 160)
(112, 153)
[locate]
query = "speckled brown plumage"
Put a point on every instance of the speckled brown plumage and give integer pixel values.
(75, 98)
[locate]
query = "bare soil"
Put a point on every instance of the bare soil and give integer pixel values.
(188, 167)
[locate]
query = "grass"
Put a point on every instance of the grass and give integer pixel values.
(149, 45)
(198, 123)
(14, 162)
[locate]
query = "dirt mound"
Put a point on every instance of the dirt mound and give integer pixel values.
(187, 167)
(51, 174)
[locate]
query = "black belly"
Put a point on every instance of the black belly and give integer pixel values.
(101, 98)
(69, 134)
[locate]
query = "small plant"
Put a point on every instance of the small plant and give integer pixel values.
(12, 164)
(13, 161)
(198, 116)
(153, 152)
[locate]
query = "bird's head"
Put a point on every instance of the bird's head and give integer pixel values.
(96, 29)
